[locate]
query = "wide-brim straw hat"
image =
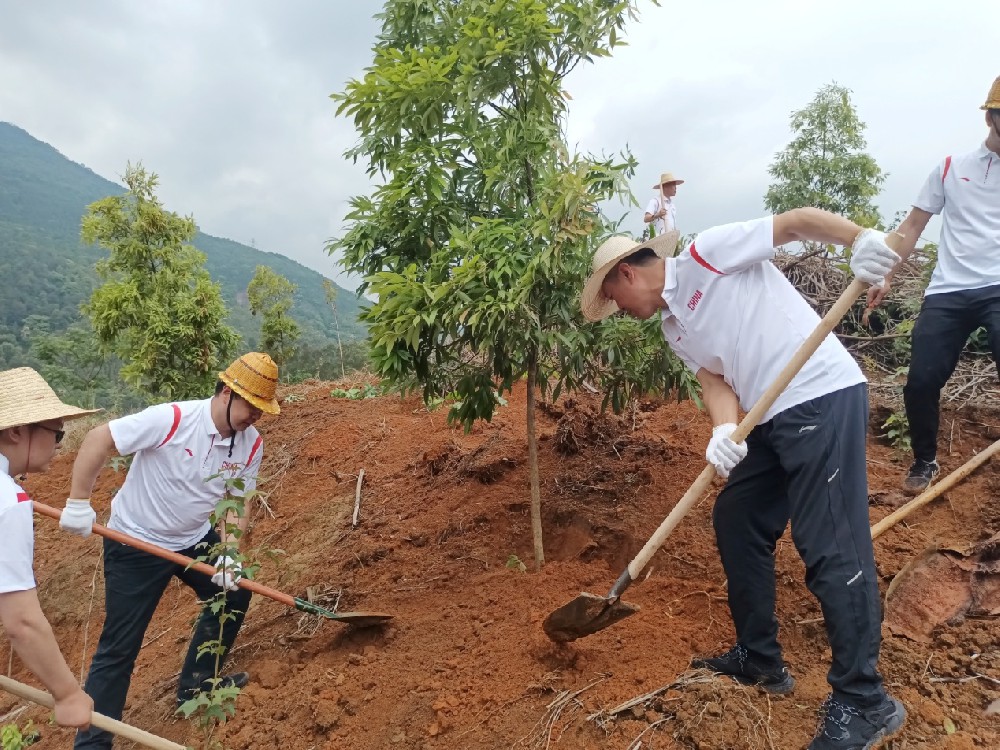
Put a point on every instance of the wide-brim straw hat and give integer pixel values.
(25, 398)
(993, 98)
(666, 178)
(594, 305)
(254, 376)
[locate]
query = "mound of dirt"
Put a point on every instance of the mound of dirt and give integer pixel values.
(444, 544)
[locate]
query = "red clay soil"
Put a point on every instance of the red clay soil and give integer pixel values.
(444, 522)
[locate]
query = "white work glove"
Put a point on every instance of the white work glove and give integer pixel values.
(227, 573)
(722, 452)
(78, 517)
(871, 258)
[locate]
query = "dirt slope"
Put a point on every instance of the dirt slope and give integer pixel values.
(465, 663)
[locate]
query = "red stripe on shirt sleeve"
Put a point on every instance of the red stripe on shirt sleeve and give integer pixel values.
(947, 166)
(702, 262)
(22, 497)
(253, 451)
(173, 427)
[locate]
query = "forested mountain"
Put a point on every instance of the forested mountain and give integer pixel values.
(46, 273)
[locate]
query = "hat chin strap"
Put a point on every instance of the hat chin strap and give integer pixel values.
(229, 423)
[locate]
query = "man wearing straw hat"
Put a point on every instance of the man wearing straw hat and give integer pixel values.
(661, 211)
(31, 426)
(964, 291)
(183, 454)
(735, 321)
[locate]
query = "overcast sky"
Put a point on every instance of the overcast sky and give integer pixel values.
(228, 100)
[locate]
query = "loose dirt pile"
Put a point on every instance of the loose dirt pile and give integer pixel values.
(443, 540)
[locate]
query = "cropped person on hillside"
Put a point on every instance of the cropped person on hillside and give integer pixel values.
(183, 454)
(661, 210)
(31, 426)
(964, 292)
(736, 321)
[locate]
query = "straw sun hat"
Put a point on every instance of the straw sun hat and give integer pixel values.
(254, 376)
(666, 178)
(593, 303)
(25, 398)
(993, 98)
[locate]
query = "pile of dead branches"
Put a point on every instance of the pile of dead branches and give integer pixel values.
(880, 340)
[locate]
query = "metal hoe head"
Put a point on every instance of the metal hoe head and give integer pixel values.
(357, 619)
(585, 615)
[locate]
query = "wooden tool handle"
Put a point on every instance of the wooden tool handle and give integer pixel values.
(935, 490)
(100, 721)
(175, 557)
(753, 417)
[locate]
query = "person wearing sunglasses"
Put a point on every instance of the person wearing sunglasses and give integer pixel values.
(31, 426)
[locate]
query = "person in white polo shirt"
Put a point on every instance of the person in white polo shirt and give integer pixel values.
(735, 321)
(31, 426)
(661, 211)
(964, 291)
(183, 454)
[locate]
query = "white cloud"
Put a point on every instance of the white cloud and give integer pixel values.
(229, 101)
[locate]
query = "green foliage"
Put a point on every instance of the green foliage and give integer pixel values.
(825, 164)
(271, 297)
(514, 563)
(356, 393)
(158, 310)
(47, 272)
(896, 429)
(13, 737)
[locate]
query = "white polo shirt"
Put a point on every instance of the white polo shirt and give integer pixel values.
(965, 190)
(669, 221)
(178, 474)
(17, 534)
(734, 313)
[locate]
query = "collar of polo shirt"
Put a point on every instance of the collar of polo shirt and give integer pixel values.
(669, 283)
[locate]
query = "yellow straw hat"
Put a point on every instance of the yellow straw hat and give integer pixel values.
(25, 398)
(254, 376)
(594, 305)
(666, 178)
(993, 98)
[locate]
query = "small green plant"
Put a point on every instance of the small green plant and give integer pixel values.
(13, 737)
(355, 394)
(514, 563)
(897, 430)
(209, 709)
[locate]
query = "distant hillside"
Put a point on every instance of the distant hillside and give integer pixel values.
(46, 270)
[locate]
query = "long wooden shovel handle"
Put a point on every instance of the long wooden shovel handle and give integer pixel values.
(704, 480)
(935, 490)
(175, 557)
(100, 721)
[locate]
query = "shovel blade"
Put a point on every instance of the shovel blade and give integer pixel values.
(357, 619)
(585, 615)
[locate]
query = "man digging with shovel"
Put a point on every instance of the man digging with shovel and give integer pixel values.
(735, 320)
(184, 453)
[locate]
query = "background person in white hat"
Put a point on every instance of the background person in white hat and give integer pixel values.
(183, 453)
(31, 425)
(964, 292)
(661, 211)
(735, 321)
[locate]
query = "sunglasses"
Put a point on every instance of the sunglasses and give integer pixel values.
(60, 434)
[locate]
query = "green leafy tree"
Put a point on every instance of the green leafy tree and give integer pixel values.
(476, 246)
(825, 164)
(271, 296)
(157, 309)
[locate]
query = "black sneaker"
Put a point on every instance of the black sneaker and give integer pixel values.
(921, 475)
(844, 727)
(738, 664)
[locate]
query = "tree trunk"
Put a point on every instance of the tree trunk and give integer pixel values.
(536, 495)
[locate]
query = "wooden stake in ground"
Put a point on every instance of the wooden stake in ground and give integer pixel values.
(357, 499)
(936, 489)
(100, 721)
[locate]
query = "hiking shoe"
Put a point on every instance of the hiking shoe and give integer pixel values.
(921, 474)
(738, 664)
(844, 727)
